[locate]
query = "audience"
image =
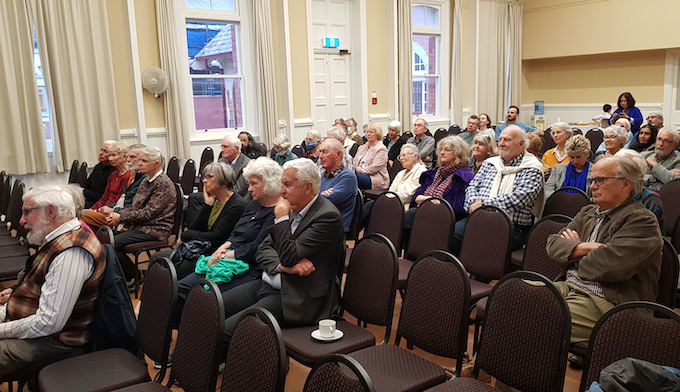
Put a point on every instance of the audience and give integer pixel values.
(615, 137)
(282, 147)
(663, 164)
(151, 215)
(424, 142)
(118, 180)
(483, 147)
(535, 147)
(339, 134)
(627, 110)
(95, 185)
(512, 119)
(48, 313)
(301, 257)
(560, 133)
(575, 173)
(407, 181)
(338, 183)
(512, 182)
(371, 160)
(311, 143)
(222, 208)
(351, 125)
(603, 266)
(656, 119)
(249, 147)
(471, 130)
(393, 141)
(645, 140)
(485, 126)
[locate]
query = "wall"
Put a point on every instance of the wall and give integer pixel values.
(297, 11)
(376, 55)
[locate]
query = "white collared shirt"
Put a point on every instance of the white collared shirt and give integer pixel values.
(158, 174)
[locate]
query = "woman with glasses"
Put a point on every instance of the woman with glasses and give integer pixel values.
(483, 146)
(408, 180)
(575, 173)
(615, 137)
(627, 109)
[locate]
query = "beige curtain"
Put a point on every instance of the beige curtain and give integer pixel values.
(457, 64)
(500, 56)
(404, 64)
(269, 116)
(73, 36)
(174, 62)
(21, 128)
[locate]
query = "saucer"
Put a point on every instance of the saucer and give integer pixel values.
(338, 334)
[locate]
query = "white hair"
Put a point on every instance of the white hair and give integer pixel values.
(109, 142)
(268, 170)
(673, 132)
(154, 154)
(396, 125)
(282, 141)
(59, 196)
(565, 127)
(619, 132)
(337, 133)
(306, 171)
(635, 156)
(316, 135)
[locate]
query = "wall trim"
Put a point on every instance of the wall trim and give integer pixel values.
(574, 3)
(380, 117)
(303, 122)
(128, 133)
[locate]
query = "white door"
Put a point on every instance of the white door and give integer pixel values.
(331, 89)
(671, 96)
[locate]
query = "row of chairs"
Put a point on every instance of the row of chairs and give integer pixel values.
(14, 249)
(78, 174)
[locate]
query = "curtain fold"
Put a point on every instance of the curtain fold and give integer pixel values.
(21, 127)
(73, 37)
(174, 61)
(457, 64)
(404, 64)
(515, 21)
(269, 116)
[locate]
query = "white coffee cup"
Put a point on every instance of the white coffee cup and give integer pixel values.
(327, 328)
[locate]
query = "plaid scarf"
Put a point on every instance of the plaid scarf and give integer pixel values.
(442, 181)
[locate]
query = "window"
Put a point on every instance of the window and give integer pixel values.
(427, 55)
(214, 33)
(45, 111)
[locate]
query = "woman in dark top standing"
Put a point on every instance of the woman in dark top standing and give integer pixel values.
(222, 208)
(264, 179)
(249, 147)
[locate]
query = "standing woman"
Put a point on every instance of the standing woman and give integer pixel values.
(626, 109)
(560, 132)
(371, 160)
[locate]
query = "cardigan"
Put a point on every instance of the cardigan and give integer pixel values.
(455, 195)
(221, 229)
(115, 186)
(375, 164)
(153, 208)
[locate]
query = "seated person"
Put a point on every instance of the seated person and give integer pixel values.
(604, 148)
(471, 130)
(407, 181)
(338, 183)
(512, 118)
(535, 147)
(393, 141)
(95, 185)
(222, 208)
(483, 147)
(50, 310)
(560, 132)
(301, 257)
(448, 180)
(338, 133)
(96, 219)
(352, 134)
(423, 141)
(611, 251)
(645, 140)
(282, 147)
(371, 160)
(576, 173)
(264, 179)
(512, 182)
(311, 145)
(152, 213)
(249, 147)
(118, 180)
(663, 164)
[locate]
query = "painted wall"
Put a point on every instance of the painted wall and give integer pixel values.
(149, 56)
(376, 56)
(299, 58)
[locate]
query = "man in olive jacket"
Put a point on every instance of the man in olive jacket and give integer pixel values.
(611, 251)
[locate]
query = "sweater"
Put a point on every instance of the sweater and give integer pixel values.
(95, 185)
(345, 188)
(221, 229)
(455, 195)
(153, 208)
(115, 186)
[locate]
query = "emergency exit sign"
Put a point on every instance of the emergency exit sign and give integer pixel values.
(330, 42)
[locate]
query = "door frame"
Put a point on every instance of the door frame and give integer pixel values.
(671, 116)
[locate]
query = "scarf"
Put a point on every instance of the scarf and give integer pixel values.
(505, 178)
(442, 181)
(574, 179)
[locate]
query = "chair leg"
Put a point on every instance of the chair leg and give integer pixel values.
(137, 275)
(475, 338)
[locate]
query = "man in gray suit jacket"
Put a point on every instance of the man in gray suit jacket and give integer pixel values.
(663, 164)
(301, 257)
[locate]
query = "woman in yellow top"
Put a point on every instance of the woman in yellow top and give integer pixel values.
(560, 132)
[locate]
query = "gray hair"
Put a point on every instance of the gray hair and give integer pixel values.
(577, 144)
(460, 149)
(59, 196)
(619, 132)
(269, 171)
(396, 125)
(120, 147)
(336, 132)
(78, 199)
(423, 120)
(629, 169)
(282, 141)
(673, 132)
(334, 144)
(413, 149)
(635, 156)
(137, 146)
(109, 142)
(224, 174)
(154, 154)
(307, 171)
(487, 141)
(565, 127)
(658, 114)
(316, 135)
(233, 141)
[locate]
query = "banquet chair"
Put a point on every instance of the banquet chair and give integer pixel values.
(338, 372)
(73, 174)
(82, 174)
(533, 257)
(173, 169)
(671, 205)
(566, 201)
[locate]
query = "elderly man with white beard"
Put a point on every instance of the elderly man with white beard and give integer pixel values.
(50, 310)
(663, 164)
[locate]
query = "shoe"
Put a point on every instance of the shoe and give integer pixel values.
(158, 365)
(576, 362)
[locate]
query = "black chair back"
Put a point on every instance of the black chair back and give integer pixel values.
(548, 141)
(671, 205)
(566, 201)
(596, 137)
(338, 372)
(432, 228)
(535, 256)
(207, 156)
(454, 129)
(105, 236)
(297, 150)
(439, 134)
(395, 169)
(5, 193)
(629, 330)
(527, 326)
(173, 169)
(73, 174)
(481, 257)
(82, 174)
(355, 225)
(15, 204)
(257, 343)
(407, 135)
(387, 218)
(188, 177)
(668, 280)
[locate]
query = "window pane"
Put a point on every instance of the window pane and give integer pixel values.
(204, 4)
(213, 48)
(426, 47)
(431, 17)
(425, 95)
(218, 103)
(418, 15)
(45, 111)
(223, 5)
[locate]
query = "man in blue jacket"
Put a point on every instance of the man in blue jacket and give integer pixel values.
(338, 183)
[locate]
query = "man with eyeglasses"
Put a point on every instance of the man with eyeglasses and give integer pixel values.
(663, 164)
(611, 251)
(48, 313)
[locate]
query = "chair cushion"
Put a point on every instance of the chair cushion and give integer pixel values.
(142, 246)
(404, 269)
(479, 290)
(465, 384)
(392, 368)
(481, 308)
(11, 266)
(145, 387)
(100, 371)
(13, 251)
(517, 257)
(303, 348)
(372, 193)
(579, 348)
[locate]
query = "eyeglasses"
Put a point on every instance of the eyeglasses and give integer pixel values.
(664, 141)
(402, 156)
(26, 211)
(610, 137)
(208, 177)
(602, 180)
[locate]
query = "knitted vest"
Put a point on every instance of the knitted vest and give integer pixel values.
(25, 298)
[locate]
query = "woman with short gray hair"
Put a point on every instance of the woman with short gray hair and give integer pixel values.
(282, 147)
(615, 137)
(560, 133)
(408, 180)
(575, 173)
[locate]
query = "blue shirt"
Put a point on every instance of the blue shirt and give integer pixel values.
(525, 127)
(345, 188)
